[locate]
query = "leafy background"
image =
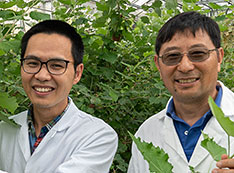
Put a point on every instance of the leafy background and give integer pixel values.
(120, 83)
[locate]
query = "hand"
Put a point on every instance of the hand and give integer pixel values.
(224, 163)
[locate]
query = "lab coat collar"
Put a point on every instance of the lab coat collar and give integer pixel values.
(23, 139)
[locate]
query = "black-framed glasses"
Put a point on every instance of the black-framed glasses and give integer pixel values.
(32, 65)
(194, 55)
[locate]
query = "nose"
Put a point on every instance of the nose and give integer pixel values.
(185, 64)
(43, 74)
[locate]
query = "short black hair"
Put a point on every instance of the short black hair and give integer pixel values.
(192, 21)
(57, 27)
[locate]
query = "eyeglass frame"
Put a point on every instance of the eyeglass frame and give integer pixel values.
(44, 62)
(187, 53)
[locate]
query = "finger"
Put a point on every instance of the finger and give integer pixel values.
(227, 163)
(223, 170)
(224, 156)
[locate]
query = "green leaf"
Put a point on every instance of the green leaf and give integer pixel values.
(220, 18)
(156, 157)
(6, 14)
(7, 120)
(6, 46)
(157, 4)
(192, 169)
(7, 4)
(113, 95)
(39, 16)
(110, 57)
(171, 4)
(66, 2)
(145, 19)
(101, 6)
(214, 6)
(1, 52)
(225, 122)
(8, 103)
(128, 35)
(99, 22)
(212, 147)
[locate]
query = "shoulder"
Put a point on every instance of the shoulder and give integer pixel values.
(152, 125)
(85, 122)
(227, 102)
(19, 118)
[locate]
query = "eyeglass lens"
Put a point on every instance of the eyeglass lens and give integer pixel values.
(195, 55)
(54, 66)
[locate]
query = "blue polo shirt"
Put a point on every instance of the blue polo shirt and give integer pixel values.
(189, 135)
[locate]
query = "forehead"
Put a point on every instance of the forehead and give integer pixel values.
(49, 45)
(185, 40)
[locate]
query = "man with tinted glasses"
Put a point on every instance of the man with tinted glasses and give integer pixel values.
(188, 57)
(54, 135)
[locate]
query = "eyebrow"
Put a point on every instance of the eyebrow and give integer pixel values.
(197, 45)
(178, 48)
(37, 58)
(171, 48)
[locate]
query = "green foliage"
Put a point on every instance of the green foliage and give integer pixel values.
(120, 83)
(225, 122)
(192, 169)
(8, 103)
(213, 148)
(156, 157)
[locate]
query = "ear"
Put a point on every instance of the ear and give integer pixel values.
(220, 58)
(156, 61)
(78, 73)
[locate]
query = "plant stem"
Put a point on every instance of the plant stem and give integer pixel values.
(228, 146)
(232, 156)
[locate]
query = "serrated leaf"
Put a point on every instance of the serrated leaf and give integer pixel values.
(8, 103)
(9, 121)
(212, 147)
(39, 16)
(225, 122)
(156, 157)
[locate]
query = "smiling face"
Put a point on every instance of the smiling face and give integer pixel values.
(44, 89)
(190, 81)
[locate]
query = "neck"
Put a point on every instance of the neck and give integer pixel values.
(43, 116)
(191, 112)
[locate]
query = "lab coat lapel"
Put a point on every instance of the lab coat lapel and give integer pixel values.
(171, 139)
(64, 123)
(22, 138)
(200, 153)
(24, 142)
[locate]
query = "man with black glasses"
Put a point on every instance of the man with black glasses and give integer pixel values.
(188, 57)
(54, 135)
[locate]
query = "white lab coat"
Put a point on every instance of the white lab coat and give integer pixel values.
(159, 129)
(78, 143)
